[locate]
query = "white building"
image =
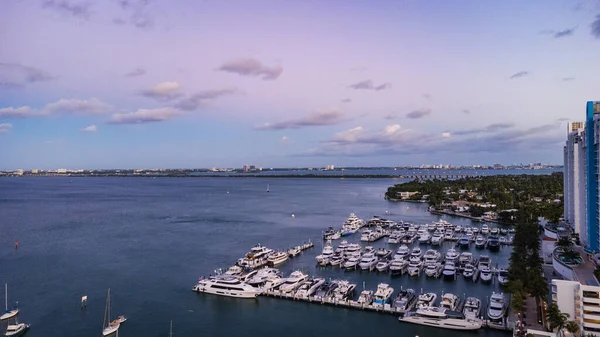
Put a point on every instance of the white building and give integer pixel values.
(581, 302)
(575, 179)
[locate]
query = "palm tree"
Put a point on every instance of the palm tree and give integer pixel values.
(572, 327)
(564, 242)
(558, 320)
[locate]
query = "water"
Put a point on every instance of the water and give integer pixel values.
(150, 239)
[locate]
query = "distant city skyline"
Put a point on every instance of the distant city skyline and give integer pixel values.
(182, 84)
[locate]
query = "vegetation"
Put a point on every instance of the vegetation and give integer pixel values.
(560, 321)
(537, 193)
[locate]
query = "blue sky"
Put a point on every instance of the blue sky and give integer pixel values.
(156, 83)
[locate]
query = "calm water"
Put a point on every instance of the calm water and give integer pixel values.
(383, 171)
(150, 239)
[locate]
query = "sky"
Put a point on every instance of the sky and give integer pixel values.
(279, 83)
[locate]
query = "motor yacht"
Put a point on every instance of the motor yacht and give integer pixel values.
(441, 318)
(503, 231)
(458, 229)
(383, 294)
(465, 258)
(485, 273)
(437, 239)
(398, 266)
(426, 300)
(502, 276)
(278, 258)
(365, 297)
(294, 251)
(448, 235)
(383, 253)
(293, 281)
(425, 238)
(344, 290)
(325, 290)
(233, 271)
(479, 242)
(472, 308)
(475, 230)
(503, 240)
(394, 238)
(352, 262)
(464, 242)
(512, 231)
(434, 269)
(258, 277)
(468, 271)
(415, 267)
(14, 330)
(307, 288)
(351, 225)
(327, 252)
(405, 300)
(494, 231)
(257, 257)
(336, 260)
(493, 243)
(353, 249)
(449, 301)
(272, 283)
(431, 256)
(409, 238)
(451, 255)
(226, 285)
(484, 261)
(343, 245)
(382, 265)
(402, 252)
(449, 270)
(497, 307)
(368, 261)
(366, 235)
(485, 229)
(416, 253)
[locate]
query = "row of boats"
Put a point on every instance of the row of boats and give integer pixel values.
(423, 309)
(260, 256)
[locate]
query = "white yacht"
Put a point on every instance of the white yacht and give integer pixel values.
(382, 265)
(425, 238)
(480, 242)
(383, 253)
(441, 318)
(502, 276)
(343, 245)
(261, 276)
(494, 231)
(352, 262)
(475, 230)
(437, 239)
(448, 235)
(365, 297)
(307, 288)
(351, 225)
(278, 258)
(405, 300)
(226, 285)
(294, 251)
(431, 256)
(484, 261)
(465, 258)
(272, 283)
(336, 259)
(394, 238)
(451, 255)
(293, 281)
(14, 330)
(257, 257)
(326, 254)
(398, 266)
(344, 290)
(468, 271)
(472, 308)
(485, 274)
(383, 294)
(497, 307)
(449, 301)
(449, 270)
(485, 229)
(402, 252)
(366, 235)
(234, 271)
(353, 249)
(415, 267)
(416, 253)
(434, 269)
(368, 262)
(426, 300)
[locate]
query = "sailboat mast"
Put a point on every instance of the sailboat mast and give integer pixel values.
(106, 308)
(171, 329)
(6, 296)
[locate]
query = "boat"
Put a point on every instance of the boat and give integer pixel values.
(503, 240)
(449, 301)
(416, 253)
(293, 281)
(437, 239)
(465, 258)
(398, 266)
(472, 308)
(464, 242)
(108, 327)
(261, 276)
(497, 307)
(484, 261)
(382, 265)
(326, 254)
(494, 231)
(502, 276)
(343, 245)
(426, 300)
(325, 290)
(434, 270)
(328, 233)
(493, 243)
(479, 242)
(468, 271)
(257, 257)
(431, 256)
(402, 252)
(441, 318)
(415, 267)
(475, 230)
(272, 283)
(405, 300)
(226, 285)
(8, 313)
(353, 249)
(277, 258)
(336, 259)
(451, 255)
(344, 290)
(383, 294)
(394, 238)
(485, 273)
(294, 251)
(425, 238)
(449, 270)
(351, 263)
(171, 329)
(485, 229)
(309, 287)
(383, 253)
(233, 271)
(365, 297)
(368, 262)
(503, 231)
(15, 330)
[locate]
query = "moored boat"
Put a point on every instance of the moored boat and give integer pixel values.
(441, 318)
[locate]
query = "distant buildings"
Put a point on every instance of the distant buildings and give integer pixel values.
(329, 167)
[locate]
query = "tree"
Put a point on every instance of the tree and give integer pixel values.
(564, 242)
(516, 302)
(558, 320)
(572, 327)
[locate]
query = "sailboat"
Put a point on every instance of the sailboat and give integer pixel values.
(171, 329)
(268, 190)
(109, 327)
(8, 314)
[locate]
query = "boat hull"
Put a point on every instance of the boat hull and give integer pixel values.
(225, 292)
(18, 332)
(109, 330)
(9, 314)
(452, 324)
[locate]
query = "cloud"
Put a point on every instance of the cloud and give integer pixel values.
(346, 100)
(466, 111)
(136, 72)
(251, 67)
(596, 27)
(144, 116)
(319, 118)
(564, 33)
(427, 96)
(8, 85)
(24, 73)
(163, 91)
(200, 98)
(490, 128)
(568, 79)
(420, 113)
(69, 8)
(5, 127)
(285, 139)
(446, 134)
(368, 85)
(91, 128)
(563, 119)
(70, 106)
(390, 117)
(348, 136)
(138, 14)
(519, 75)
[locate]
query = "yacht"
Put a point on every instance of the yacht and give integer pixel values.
(448, 235)
(464, 242)
(503, 240)
(336, 260)
(8, 313)
(472, 308)
(468, 271)
(441, 318)
(309, 287)
(257, 257)
(226, 285)
(353, 249)
(344, 290)
(426, 300)
(368, 262)
(272, 283)
(383, 294)
(416, 253)
(431, 256)
(409, 238)
(329, 233)
(512, 231)
(465, 258)
(479, 242)
(451, 255)
(351, 263)
(437, 239)
(394, 238)
(234, 271)
(326, 254)
(415, 267)
(383, 253)
(402, 252)
(365, 297)
(475, 230)
(382, 265)
(497, 308)
(277, 258)
(398, 266)
(425, 238)
(343, 245)
(293, 281)
(449, 301)
(485, 229)
(434, 269)
(261, 276)
(294, 251)
(351, 225)
(485, 273)
(366, 235)
(503, 231)
(494, 231)
(405, 300)
(493, 243)
(14, 330)
(502, 276)
(449, 270)
(484, 261)
(325, 290)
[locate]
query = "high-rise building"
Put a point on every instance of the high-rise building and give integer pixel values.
(581, 302)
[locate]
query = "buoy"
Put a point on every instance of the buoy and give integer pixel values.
(83, 301)
(16, 244)
(293, 216)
